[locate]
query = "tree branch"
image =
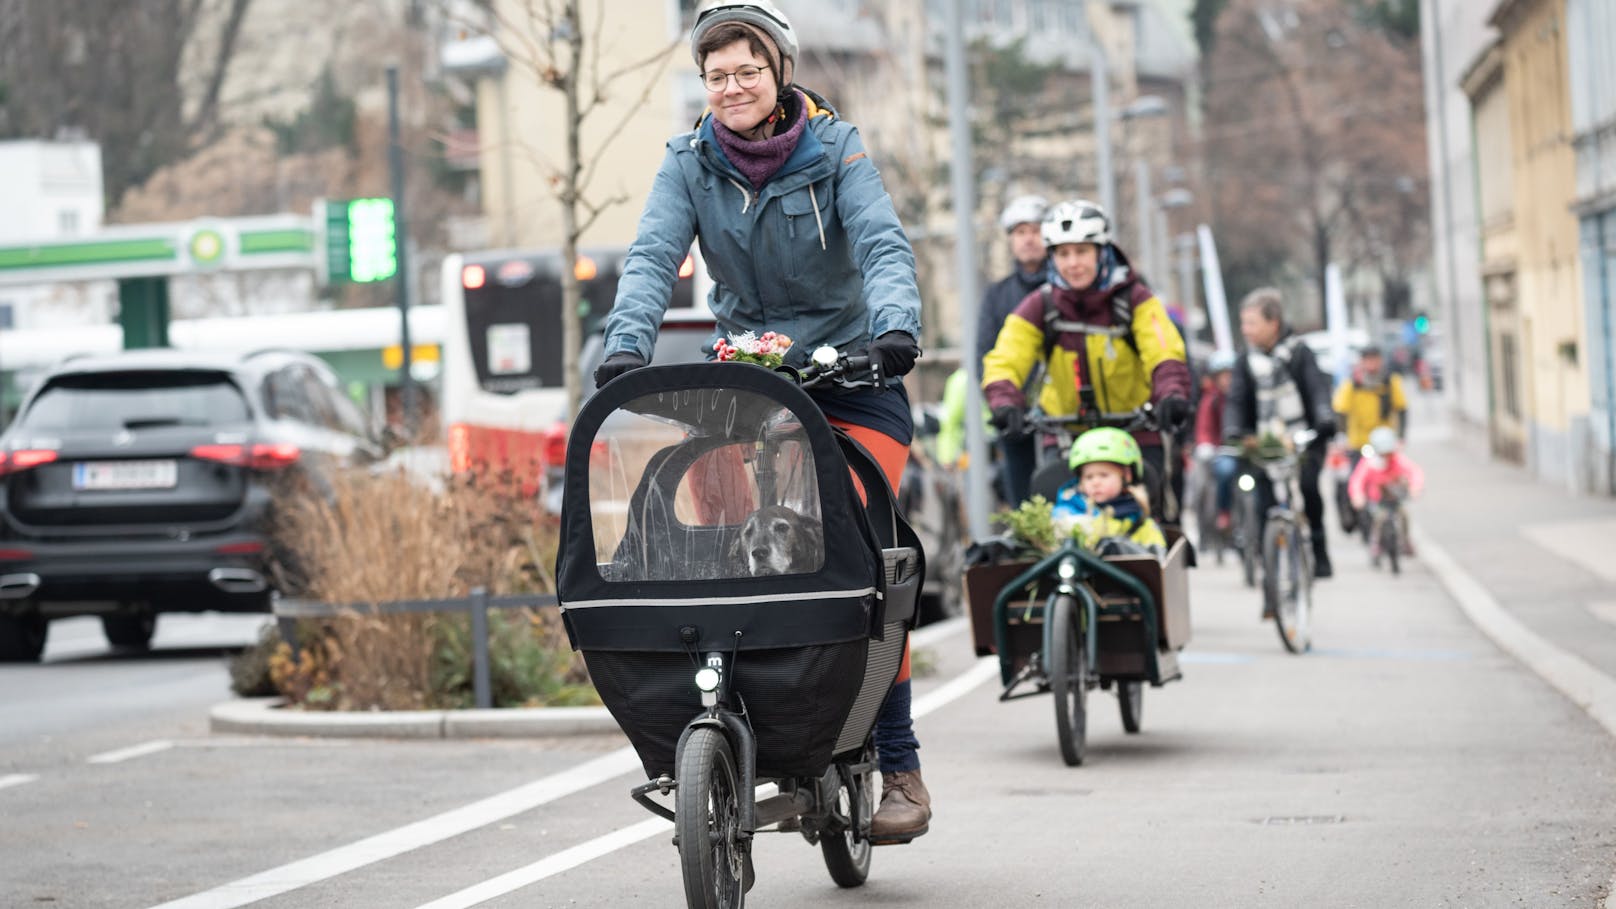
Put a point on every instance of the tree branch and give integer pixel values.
(209, 107)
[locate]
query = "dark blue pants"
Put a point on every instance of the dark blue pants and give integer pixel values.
(895, 742)
(1018, 458)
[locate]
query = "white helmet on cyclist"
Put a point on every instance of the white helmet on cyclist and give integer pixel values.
(1220, 361)
(1383, 441)
(1076, 221)
(759, 16)
(1024, 210)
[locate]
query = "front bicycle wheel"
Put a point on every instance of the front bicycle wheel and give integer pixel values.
(1391, 545)
(1250, 544)
(1068, 678)
(1131, 699)
(707, 820)
(1286, 585)
(847, 853)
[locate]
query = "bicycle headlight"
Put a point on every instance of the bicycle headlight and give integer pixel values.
(707, 678)
(1247, 482)
(825, 357)
(1066, 570)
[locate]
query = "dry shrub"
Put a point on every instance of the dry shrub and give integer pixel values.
(380, 537)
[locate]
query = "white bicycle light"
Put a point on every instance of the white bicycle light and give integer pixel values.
(1066, 570)
(825, 357)
(1247, 483)
(707, 678)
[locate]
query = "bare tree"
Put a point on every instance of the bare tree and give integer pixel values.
(111, 72)
(554, 43)
(1314, 143)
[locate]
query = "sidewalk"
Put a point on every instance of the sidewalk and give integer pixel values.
(1548, 557)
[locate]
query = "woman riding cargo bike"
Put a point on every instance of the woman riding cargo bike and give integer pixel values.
(800, 238)
(1104, 336)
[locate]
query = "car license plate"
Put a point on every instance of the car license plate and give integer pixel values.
(162, 474)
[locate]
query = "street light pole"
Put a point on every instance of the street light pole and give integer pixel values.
(1100, 80)
(964, 175)
(1143, 229)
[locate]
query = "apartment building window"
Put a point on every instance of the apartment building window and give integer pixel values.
(1038, 12)
(67, 222)
(8, 317)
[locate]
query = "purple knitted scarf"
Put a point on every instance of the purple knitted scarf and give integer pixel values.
(759, 160)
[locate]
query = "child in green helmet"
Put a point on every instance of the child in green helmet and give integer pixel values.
(1106, 464)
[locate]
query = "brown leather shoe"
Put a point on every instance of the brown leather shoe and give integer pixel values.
(905, 811)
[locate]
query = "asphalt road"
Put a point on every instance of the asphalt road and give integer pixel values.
(1407, 762)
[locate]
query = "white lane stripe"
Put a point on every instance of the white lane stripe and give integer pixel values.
(931, 634)
(567, 859)
(549, 866)
(16, 779)
(133, 751)
(386, 845)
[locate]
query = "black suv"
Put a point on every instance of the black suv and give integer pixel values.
(138, 483)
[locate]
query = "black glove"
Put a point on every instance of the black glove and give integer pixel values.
(1326, 430)
(895, 351)
(1008, 420)
(617, 364)
(1172, 412)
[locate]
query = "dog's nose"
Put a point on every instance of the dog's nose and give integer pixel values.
(760, 552)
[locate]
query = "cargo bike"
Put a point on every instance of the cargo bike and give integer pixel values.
(742, 612)
(1071, 621)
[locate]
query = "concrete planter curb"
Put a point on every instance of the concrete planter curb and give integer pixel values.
(266, 716)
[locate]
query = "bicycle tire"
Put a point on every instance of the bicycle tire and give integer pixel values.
(1285, 581)
(1131, 701)
(1068, 678)
(707, 821)
(1391, 546)
(847, 853)
(1250, 544)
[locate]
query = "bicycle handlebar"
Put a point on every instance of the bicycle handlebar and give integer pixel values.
(1142, 417)
(846, 371)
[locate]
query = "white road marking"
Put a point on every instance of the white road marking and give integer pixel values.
(1605, 611)
(386, 845)
(16, 779)
(133, 751)
(567, 859)
(931, 634)
(549, 866)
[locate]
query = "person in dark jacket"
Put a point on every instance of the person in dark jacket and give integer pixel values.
(1278, 385)
(1021, 220)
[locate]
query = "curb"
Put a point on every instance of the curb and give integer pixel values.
(265, 716)
(1568, 673)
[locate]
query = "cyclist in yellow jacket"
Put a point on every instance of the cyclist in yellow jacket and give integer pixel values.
(1105, 338)
(1369, 399)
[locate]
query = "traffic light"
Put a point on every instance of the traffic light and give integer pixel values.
(361, 240)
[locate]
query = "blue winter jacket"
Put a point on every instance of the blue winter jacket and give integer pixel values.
(817, 254)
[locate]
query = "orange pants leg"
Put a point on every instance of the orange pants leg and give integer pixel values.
(893, 456)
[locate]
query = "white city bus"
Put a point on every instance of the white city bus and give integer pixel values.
(503, 396)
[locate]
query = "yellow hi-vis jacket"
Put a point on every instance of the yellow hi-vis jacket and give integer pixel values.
(1082, 346)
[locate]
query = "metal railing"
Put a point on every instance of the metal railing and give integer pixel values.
(288, 611)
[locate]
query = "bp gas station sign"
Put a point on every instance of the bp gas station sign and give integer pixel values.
(347, 240)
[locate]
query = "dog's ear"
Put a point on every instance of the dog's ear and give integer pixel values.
(809, 551)
(735, 554)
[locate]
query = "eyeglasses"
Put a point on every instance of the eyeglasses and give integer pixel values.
(746, 77)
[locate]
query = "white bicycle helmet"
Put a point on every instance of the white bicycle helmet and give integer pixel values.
(1383, 440)
(1220, 361)
(1024, 210)
(1076, 221)
(760, 14)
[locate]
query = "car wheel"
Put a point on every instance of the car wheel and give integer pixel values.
(130, 630)
(22, 637)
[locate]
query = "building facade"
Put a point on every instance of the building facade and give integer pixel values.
(1453, 35)
(51, 191)
(1591, 30)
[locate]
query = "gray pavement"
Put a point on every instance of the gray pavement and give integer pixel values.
(1547, 556)
(1408, 761)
